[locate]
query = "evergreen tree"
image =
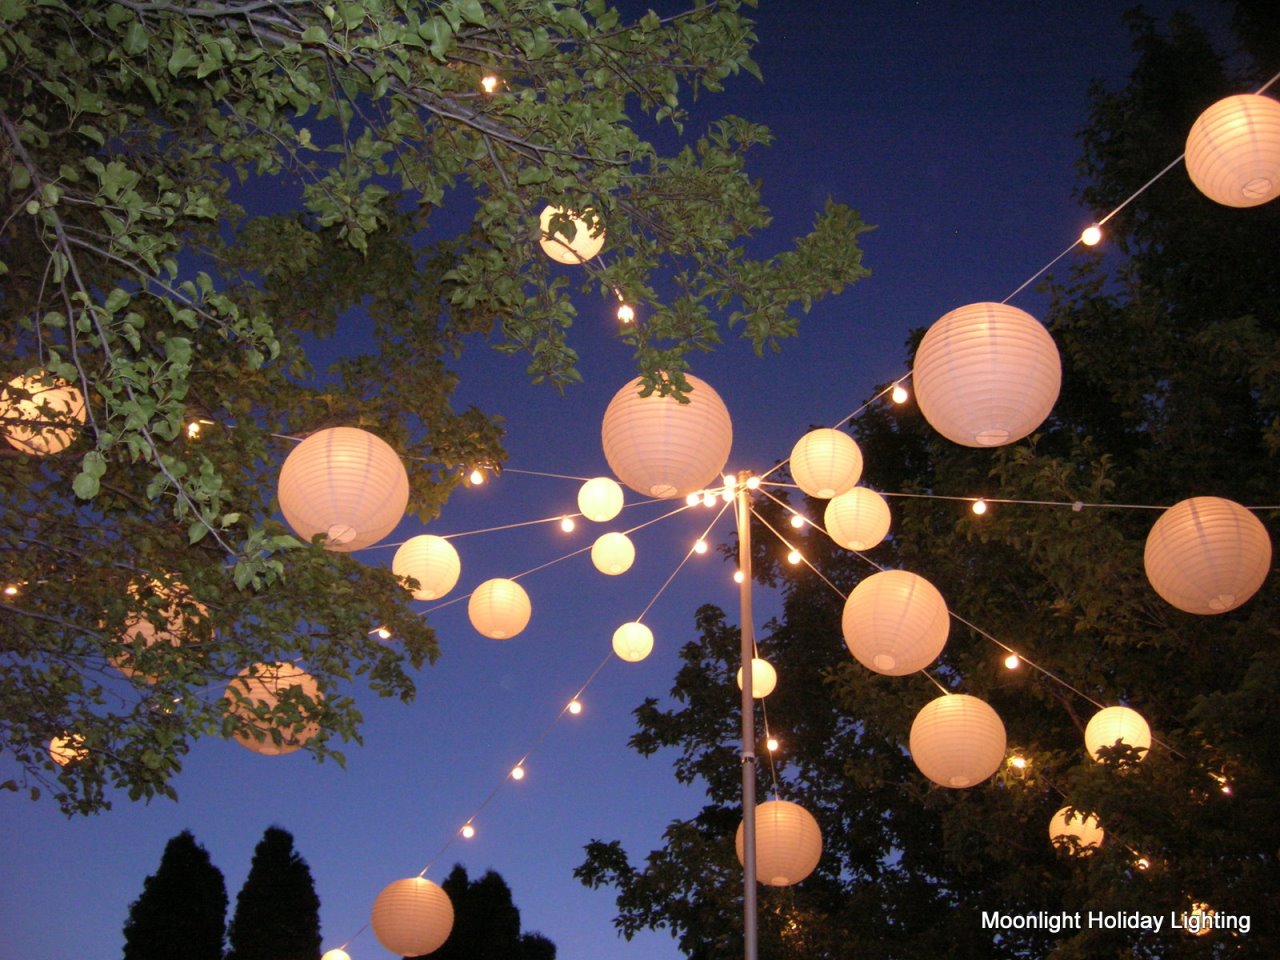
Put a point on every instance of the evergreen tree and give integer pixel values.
(277, 911)
(486, 923)
(181, 912)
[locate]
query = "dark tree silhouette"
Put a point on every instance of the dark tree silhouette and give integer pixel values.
(277, 911)
(181, 912)
(486, 923)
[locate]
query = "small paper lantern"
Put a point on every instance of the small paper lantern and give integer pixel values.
(179, 608)
(600, 499)
(895, 623)
(763, 678)
(957, 740)
(430, 560)
(632, 642)
(67, 749)
(826, 462)
(262, 686)
(54, 402)
(1113, 726)
(663, 448)
(986, 374)
(1069, 824)
(499, 609)
(1207, 555)
(613, 553)
(561, 248)
(1233, 151)
(858, 519)
(345, 484)
(788, 843)
(412, 917)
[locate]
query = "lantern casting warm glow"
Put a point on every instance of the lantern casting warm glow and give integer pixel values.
(1069, 824)
(895, 622)
(499, 609)
(957, 740)
(562, 248)
(179, 611)
(430, 560)
(67, 749)
(1233, 151)
(1116, 726)
(858, 519)
(337, 953)
(763, 678)
(600, 499)
(262, 686)
(412, 917)
(613, 553)
(788, 843)
(826, 462)
(632, 642)
(45, 422)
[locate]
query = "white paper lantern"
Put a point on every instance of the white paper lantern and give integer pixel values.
(412, 917)
(1114, 726)
(763, 678)
(1069, 824)
(262, 686)
(957, 740)
(1207, 555)
(560, 248)
(663, 448)
(67, 749)
(345, 484)
(986, 374)
(895, 623)
(858, 519)
(1233, 151)
(632, 642)
(499, 609)
(600, 499)
(613, 553)
(826, 462)
(55, 403)
(180, 612)
(430, 560)
(788, 843)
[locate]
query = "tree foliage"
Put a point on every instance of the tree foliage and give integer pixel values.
(181, 912)
(486, 923)
(277, 911)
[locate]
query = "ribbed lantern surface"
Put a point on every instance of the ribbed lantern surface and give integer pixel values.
(600, 499)
(986, 374)
(346, 484)
(632, 642)
(957, 740)
(613, 553)
(660, 447)
(178, 606)
(1207, 555)
(430, 560)
(826, 462)
(56, 403)
(499, 609)
(763, 678)
(412, 917)
(261, 685)
(1083, 827)
(1233, 151)
(560, 248)
(1112, 726)
(788, 843)
(895, 622)
(858, 519)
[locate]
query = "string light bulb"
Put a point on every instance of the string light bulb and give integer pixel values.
(899, 394)
(693, 499)
(794, 557)
(626, 313)
(517, 772)
(739, 576)
(477, 477)
(567, 524)
(1091, 236)
(771, 744)
(1012, 662)
(193, 429)
(1142, 863)
(1019, 763)
(11, 590)
(700, 546)
(383, 633)
(489, 83)
(753, 483)
(575, 706)
(797, 521)
(979, 506)
(467, 831)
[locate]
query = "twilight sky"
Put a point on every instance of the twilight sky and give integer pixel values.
(948, 125)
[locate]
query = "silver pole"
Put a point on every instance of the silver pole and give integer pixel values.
(748, 723)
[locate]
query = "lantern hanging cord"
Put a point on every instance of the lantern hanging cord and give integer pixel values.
(773, 770)
(680, 566)
(928, 676)
(539, 473)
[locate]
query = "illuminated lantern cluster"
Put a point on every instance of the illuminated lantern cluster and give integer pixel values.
(178, 607)
(1233, 151)
(412, 917)
(825, 463)
(54, 402)
(613, 553)
(261, 687)
(763, 678)
(895, 623)
(600, 499)
(344, 484)
(957, 740)
(1070, 825)
(858, 519)
(430, 560)
(1117, 726)
(499, 609)
(788, 843)
(560, 247)
(632, 642)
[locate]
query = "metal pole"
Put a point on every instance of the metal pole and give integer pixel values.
(748, 723)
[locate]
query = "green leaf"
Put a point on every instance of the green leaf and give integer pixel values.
(19, 178)
(314, 35)
(85, 486)
(472, 12)
(181, 58)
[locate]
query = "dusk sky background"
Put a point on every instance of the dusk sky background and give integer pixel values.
(951, 127)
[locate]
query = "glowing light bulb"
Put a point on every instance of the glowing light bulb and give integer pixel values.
(567, 524)
(738, 576)
(489, 82)
(477, 477)
(979, 506)
(900, 394)
(1018, 763)
(730, 480)
(1142, 863)
(708, 499)
(517, 772)
(1012, 661)
(1091, 236)
(693, 499)
(797, 521)
(700, 547)
(383, 633)
(193, 429)
(575, 706)
(726, 495)
(753, 483)
(626, 313)
(793, 557)
(467, 831)
(771, 744)
(11, 590)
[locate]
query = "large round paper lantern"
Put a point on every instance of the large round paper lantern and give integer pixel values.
(1115, 726)
(67, 749)
(895, 622)
(632, 642)
(561, 248)
(1207, 555)
(788, 843)
(412, 917)
(663, 448)
(826, 462)
(1233, 151)
(613, 553)
(344, 484)
(857, 519)
(600, 499)
(1069, 824)
(986, 374)
(499, 609)
(53, 402)
(179, 611)
(763, 678)
(261, 686)
(957, 740)
(430, 560)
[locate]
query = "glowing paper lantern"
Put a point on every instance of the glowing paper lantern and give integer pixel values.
(600, 499)
(632, 642)
(858, 519)
(987, 374)
(560, 248)
(178, 607)
(67, 749)
(613, 553)
(826, 462)
(895, 623)
(663, 448)
(262, 686)
(1207, 555)
(788, 843)
(1233, 151)
(430, 560)
(763, 678)
(412, 917)
(337, 953)
(499, 609)
(1113, 726)
(1069, 824)
(957, 740)
(345, 484)
(55, 403)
